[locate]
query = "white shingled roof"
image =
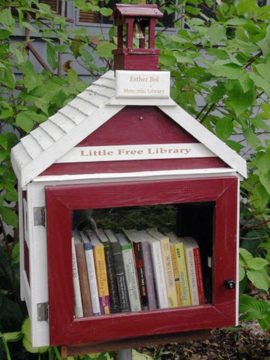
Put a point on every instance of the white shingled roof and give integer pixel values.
(86, 113)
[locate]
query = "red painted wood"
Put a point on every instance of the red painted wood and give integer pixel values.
(62, 200)
(138, 125)
(133, 166)
(147, 62)
(133, 125)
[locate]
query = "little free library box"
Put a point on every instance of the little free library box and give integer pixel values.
(128, 208)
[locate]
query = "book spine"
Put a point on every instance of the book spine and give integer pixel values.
(112, 283)
(168, 270)
(159, 275)
(78, 309)
(131, 280)
(149, 276)
(199, 277)
(120, 277)
(138, 253)
(102, 281)
(92, 279)
(176, 275)
(183, 275)
(83, 277)
(192, 277)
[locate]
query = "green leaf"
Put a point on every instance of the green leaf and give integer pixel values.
(254, 309)
(242, 273)
(230, 71)
(12, 336)
(52, 55)
(9, 216)
(15, 255)
(247, 8)
(224, 128)
(238, 100)
(252, 138)
(257, 263)
(26, 331)
(260, 279)
(265, 42)
(6, 110)
(167, 60)
(6, 19)
(263, 70)
(216, 33)
(245, 255)
(7, 78)
(104, 49)
(260, 82)
(4, 34)
(24, 122)
(105, 11)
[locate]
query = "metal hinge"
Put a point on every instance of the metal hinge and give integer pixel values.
(43, 311)
(39, 216)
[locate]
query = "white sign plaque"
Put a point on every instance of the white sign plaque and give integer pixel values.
(142, 84)
(135, 152)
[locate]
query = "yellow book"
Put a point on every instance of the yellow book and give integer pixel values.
(167, 265)
(101, 273)
(182, 268)
(176, 274)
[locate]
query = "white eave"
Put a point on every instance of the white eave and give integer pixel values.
(86, 113)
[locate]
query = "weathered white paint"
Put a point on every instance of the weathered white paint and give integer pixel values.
(237, 257)
(131, 176)
(39, 268)
(206, 137)
(21, 244)
(135, 152)
(142, 84)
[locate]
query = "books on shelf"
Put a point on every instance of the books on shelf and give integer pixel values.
(194, 270)
(119, 271)
(91, 271)
(101, 273)
(181, 274)
(134, 270)
(112, 283)
(83, 276)
(167, 265)
(144, 266)
(130, 272)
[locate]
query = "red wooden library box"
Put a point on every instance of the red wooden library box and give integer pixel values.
(124, 153)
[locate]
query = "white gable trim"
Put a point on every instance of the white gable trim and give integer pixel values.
(207, 138)
(67, 142)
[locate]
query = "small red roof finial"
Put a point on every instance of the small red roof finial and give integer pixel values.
(136, 37)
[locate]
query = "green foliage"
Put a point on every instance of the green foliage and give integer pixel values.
(222, 60)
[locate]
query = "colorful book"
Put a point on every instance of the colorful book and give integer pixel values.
(83, 276)
(101, 273)
(178, 253)
(137, 246)
(158, 295)
(88, 249)
(167, 264)
(130, 272)
(194, 268)
(119, 271)
(113, 291)
(78, 309)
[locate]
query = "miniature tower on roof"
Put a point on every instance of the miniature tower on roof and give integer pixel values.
(136, 22)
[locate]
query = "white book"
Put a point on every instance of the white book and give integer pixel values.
(130, 273)
(158, 269)
(78, 309)
(189, 244)
(167, 264)
(92, 279)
